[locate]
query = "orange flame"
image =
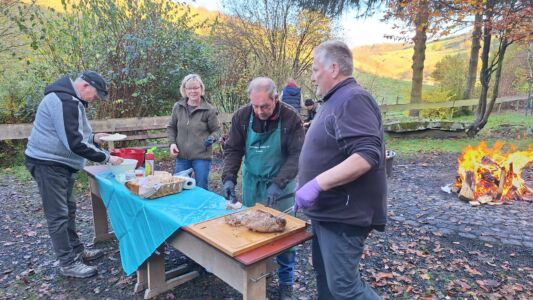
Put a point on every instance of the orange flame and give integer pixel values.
(487, 167)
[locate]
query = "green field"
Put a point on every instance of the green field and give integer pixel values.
(387, 90)
(394, 60)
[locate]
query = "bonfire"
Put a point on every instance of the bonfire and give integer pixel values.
(492, 175)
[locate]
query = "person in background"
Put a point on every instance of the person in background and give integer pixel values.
(192, 130)
(312, 108)
(60, 142)
(292, 95)
(344, 190)
(269, 135)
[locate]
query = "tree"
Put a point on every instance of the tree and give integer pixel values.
(15, 18)
(474, 56)
(335, 8)
(450, 74)
(144, 48)
(509, 21)
(271, 38)
(424, 17)
(404, 10)
(429, 19)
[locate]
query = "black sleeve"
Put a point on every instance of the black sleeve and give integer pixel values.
(234, 148)
(74, 134)
(358, 129)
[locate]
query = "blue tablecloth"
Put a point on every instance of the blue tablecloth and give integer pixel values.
(142, 225)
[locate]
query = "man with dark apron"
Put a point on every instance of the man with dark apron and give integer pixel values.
(269, 135)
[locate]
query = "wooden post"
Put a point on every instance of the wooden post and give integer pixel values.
(100, 223)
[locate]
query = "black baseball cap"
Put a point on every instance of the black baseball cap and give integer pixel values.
(97, 81)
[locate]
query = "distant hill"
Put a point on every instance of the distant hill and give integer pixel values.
(394, 60)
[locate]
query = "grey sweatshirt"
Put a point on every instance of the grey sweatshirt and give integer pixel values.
(61, 132)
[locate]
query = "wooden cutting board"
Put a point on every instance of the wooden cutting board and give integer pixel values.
(237, 240)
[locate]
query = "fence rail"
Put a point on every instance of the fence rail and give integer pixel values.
(22, 131)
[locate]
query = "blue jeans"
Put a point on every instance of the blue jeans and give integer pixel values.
(201, 169)
(286, 262)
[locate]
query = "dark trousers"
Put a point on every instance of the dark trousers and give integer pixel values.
(337, 249)
(55, 186)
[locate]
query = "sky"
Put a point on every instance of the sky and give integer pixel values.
(356, 32)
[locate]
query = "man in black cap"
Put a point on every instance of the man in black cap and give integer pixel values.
(95, 80)
(60, 142)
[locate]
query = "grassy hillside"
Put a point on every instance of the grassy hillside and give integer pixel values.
(386, 90)
(394, 60)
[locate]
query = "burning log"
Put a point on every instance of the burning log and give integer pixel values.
(467, 188)
(503, 176)
(488, 161)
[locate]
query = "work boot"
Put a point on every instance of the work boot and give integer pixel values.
(78, 269)
(285, 292)
(88, 254)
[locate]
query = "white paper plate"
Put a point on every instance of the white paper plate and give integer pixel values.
(114, 137)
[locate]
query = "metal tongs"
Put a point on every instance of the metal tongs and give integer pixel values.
(289, 195)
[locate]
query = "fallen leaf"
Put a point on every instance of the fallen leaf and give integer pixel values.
(382, 275)
(471, 271)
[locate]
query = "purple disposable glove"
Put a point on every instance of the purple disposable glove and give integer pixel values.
(307, 195)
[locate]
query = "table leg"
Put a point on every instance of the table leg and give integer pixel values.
(254, 285)
(249, 280)
(156, 277)
(142, 279)
(100, 223)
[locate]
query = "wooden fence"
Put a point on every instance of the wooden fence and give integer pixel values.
(153, 127)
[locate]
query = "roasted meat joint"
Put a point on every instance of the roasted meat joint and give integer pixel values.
(257, 220)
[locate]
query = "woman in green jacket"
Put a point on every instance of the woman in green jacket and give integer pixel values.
(192, 130)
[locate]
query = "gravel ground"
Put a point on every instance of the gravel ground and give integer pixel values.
(435, 246)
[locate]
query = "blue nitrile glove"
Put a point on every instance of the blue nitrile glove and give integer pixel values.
(209, 141)
(306, 196)
(273, 193)
(229, 190)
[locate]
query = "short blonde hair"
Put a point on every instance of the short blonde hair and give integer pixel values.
(188, 78)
